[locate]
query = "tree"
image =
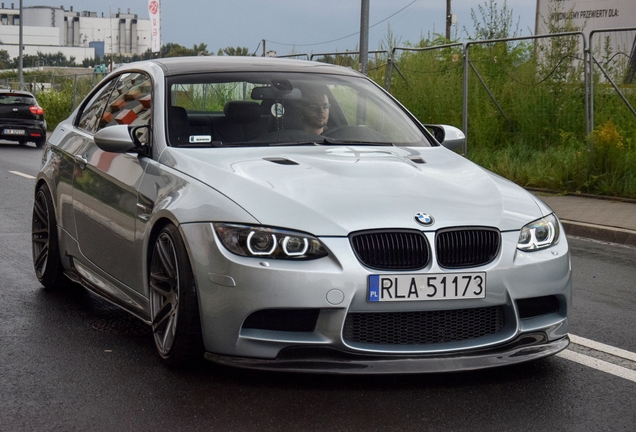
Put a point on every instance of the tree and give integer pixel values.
(176, 50)
(146, 55)
(89, 62)
(201, 49)
(53, 59)
(238, 51)
(494, 23)
(5, 59)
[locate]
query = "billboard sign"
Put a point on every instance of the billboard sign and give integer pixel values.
(587, 15)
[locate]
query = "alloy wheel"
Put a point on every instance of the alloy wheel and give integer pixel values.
(40, 233)
(164, 293)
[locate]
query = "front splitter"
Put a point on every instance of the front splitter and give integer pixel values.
(525, 348)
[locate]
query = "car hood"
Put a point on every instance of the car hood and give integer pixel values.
(334, 190)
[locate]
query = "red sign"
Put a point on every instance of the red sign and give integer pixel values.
(153, 7)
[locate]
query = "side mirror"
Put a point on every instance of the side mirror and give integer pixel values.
(115, 139)
(448, 136)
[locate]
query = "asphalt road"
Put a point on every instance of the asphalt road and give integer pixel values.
(69, 361)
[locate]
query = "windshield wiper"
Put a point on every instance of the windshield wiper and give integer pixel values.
(333, 141)
(294, 143)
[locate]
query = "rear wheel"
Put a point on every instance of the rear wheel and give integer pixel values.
(39, 143)
(174, 307)
(45, 244)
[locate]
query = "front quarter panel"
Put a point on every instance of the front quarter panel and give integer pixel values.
(58, 164)
(167, 195)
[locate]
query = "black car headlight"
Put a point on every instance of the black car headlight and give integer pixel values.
(265, 242)
(539, 234)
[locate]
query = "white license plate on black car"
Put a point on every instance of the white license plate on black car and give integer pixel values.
(13, 132)
(442, 286)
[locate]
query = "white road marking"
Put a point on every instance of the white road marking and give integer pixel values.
(18, 173)
(597, 364)
(607, 349)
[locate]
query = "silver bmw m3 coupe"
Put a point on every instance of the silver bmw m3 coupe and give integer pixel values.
(292, 215)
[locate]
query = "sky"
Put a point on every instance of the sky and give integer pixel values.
(298, 26)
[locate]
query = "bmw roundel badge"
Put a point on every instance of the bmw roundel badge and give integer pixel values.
(424, 219)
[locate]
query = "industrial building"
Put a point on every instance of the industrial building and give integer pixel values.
(80, 34)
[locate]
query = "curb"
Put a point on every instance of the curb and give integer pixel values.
(599, 232)
(551, 192)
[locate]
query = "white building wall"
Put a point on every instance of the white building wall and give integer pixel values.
(10, 35)
(51, 30)
(108, 31)
(587, 14)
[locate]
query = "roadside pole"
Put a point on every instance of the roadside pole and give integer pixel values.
(20, 54)
(364, 37)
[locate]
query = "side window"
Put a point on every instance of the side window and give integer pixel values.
(89, 118)
(130, 104)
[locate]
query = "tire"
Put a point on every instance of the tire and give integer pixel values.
(174, 308)
(45, 245)
(40, 142)
(22, 142)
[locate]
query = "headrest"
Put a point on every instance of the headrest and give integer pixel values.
(242, 111)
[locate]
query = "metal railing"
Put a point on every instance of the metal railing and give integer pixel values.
(579, 59)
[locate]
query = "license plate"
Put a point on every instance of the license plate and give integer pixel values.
(442, 286)
(13, 132)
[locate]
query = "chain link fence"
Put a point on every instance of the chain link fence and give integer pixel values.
(76, 85)
(613, 77)
(538, 91)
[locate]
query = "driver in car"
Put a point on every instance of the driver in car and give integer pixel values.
(314, 112)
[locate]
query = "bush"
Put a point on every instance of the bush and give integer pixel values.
(56, 105)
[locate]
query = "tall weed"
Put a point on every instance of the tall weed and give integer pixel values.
(56, 105)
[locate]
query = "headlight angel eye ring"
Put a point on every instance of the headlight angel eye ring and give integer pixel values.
(539, 234)
(266, 242)
(261, 243)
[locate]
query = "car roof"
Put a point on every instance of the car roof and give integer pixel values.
(16, 92)
(201, 64)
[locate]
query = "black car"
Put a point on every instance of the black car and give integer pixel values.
(21, 118)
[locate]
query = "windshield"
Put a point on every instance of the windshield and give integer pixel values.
(243, 109)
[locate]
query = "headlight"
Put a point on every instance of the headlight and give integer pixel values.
(264, 242)
(539, 234)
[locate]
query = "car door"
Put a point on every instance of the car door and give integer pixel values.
(105, 184)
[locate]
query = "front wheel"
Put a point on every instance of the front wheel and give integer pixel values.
(174, 307)
(45, 244)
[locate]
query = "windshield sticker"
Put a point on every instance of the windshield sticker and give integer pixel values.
(200, 138)
(278, 110)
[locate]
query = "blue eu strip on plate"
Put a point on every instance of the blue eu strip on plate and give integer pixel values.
(374, 288)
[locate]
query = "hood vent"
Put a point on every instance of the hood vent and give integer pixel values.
(280, 161)
(416, 159)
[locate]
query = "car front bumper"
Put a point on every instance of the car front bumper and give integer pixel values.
(233, 288)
